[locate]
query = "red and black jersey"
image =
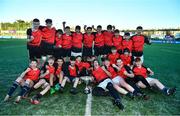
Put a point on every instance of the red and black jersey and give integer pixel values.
(77, 40)
(58, 41)
(99, 74)
(108, 38)
(140, 71)
(48, 34)
(88, 40)
(66, 41)
(82, 65)
(37, 35)
(51, 70)
(99, 40)
(70, 71)
(121, 72)
(138, 42)
(58, 70)
(117, 42)
(127, 44)
(125, 59)
(33, 74)
(73, 71)
(112, 71)
(113, 57)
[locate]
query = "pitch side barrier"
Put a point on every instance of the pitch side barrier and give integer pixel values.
(165, 42)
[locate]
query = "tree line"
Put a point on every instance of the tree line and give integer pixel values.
(18, 25)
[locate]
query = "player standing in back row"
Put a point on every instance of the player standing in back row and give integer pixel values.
(138, 43)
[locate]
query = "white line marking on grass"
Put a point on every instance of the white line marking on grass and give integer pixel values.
(88, 105)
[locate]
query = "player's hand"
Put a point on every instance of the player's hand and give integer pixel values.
(103, 68)
(28, 69)
(113, 27)
(93, 26)
(130, 54)
(64, 23)
(60, 46)
(32, 37)
(40, 76)
(150, 41)
(113, 65)
(85, 26)
(151, 73)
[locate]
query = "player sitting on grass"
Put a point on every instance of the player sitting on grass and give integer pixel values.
(126, 74)
(105, 83)
(71, 74)
(26, 80)
(118, 81)
(45, 81)
(59, 73)
(140, 70)
(84, 69)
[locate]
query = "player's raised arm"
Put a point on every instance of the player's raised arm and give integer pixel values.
(94, 28)
(85, 28)
(147, 40)
(29, 35)
(24, 73)
(64, 25)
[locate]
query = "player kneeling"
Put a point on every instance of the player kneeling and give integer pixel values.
(84, 69)
(45, 81)
(26, 80)
(71, 74)
(141, 71)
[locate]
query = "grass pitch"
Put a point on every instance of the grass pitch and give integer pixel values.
(163, 59)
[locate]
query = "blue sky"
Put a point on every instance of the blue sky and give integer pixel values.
(124, 14)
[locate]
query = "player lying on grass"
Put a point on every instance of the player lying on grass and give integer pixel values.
(71, 74)
(104, 82)
(118, 81)
(26, 80)
(84, 73)
(125, 74)
(141, 71)
(45, 81)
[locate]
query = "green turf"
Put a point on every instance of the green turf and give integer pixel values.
(162, 58)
